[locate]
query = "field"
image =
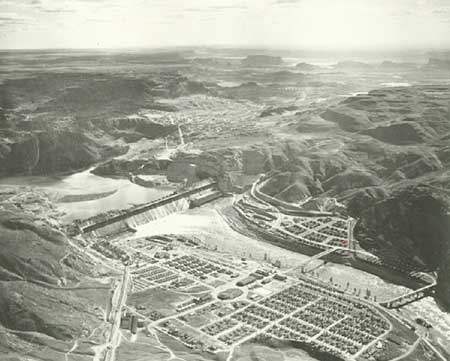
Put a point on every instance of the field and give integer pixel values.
(158, 299)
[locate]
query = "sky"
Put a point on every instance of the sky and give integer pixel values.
(299, 24)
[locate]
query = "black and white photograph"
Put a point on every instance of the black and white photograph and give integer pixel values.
(224, 180)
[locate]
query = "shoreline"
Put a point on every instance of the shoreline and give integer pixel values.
(74, 198)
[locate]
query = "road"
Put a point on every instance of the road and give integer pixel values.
(116, 313)
(119, 302)
(66, 355)
(435, 350)
(351, 240)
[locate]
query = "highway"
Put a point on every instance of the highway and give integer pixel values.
(118, 304)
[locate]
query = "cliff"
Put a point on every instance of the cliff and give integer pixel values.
(400, 133)
(438, 64)
(262, 60)
(63, 121)
(389, 164)
(350, 65)
(134, 129)
(50, 152)
(307, 67)
(443, 289)
(414, 217)
(412, 220)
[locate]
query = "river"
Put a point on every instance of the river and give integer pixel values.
(84, 183)
(207, 224)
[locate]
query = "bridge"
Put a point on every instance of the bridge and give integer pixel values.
(148, 206)
(315, 257)
(411, 297)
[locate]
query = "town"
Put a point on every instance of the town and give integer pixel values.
(215, 302)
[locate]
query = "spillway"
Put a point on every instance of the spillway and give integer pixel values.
(137, 216)
(179, 205)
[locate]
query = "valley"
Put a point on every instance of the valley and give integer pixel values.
(199, 205)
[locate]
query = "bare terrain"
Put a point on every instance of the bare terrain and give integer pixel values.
(224, 204)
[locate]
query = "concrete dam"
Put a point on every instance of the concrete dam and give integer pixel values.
(108, 225)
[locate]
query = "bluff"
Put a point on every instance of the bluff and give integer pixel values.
(307, 67)
(42, 310)
(412, 219)
(262, 60)
(388, 163)
(49, 152)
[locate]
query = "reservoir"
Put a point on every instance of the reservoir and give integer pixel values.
(122, 192)
(207, 224)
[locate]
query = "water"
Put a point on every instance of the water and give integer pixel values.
(143, 218)
(228, 84)
(159, 212)
(208, 225)
(395, 84)
(428, 310)
(82, 183)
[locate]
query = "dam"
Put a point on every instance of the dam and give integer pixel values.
(105, 225)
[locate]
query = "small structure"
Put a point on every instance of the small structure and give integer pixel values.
(246, 281)
(200, 199)
(133, 324)
(279, 277)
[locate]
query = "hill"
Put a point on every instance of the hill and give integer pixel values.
(64, 121)
(388, 164)
(46, 297)
(307, 67)
(262, 60)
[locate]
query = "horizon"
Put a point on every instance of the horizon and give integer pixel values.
(380, 25)
(250, 47)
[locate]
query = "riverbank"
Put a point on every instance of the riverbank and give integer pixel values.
(290, 243)
(84, 197)
(208, 224)
(88, 193)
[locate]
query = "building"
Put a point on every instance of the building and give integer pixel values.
(279, 277)
(246, 281)
(200, 199)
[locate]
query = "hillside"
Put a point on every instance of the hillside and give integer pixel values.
(43, 312)
(391, 174)
(262, 60)
(59, 122)
(320, 132)
(41, 152)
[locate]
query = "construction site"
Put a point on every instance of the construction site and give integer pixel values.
(214, 302)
